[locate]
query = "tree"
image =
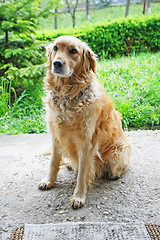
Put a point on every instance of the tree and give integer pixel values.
(127, 8)
(22, 60)
(87, 10)
(50, 7)
(55, 19)
(148, 7)
(144, 7)
(72, 5)
(18, 17)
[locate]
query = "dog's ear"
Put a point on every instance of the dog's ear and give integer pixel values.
(90, 60)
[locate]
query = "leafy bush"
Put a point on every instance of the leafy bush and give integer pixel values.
(122, 37)
(48, 35)
(22, 65)
(22, 61)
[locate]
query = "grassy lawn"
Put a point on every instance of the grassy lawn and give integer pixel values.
(134, 85)
(27, 115)
(132, 82)
(97, 16)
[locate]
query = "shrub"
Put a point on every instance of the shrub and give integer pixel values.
(122, 37)
(23, 62)
(22, 65)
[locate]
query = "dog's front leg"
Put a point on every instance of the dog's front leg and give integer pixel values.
(54, 168)
(84, 170)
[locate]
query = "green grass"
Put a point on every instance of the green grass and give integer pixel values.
(134, 85)
(26, 115)
(97, 16)
(132, 82)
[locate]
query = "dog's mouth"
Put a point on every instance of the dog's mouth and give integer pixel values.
(60, 69)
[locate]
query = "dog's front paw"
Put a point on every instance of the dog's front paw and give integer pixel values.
(77, 202)
(44, 185)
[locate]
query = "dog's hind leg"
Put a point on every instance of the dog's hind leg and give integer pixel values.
(118, 162)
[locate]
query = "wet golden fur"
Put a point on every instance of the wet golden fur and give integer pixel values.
(82, 120)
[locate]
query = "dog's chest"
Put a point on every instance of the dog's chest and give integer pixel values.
(71, 110)
(77, 114)
(72, 118)
(73, 115)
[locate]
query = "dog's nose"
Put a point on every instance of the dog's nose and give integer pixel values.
(58, 64)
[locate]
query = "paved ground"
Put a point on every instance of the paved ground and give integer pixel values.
(133, 198)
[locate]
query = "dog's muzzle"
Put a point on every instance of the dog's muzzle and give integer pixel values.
(59, 68)
(58, 64)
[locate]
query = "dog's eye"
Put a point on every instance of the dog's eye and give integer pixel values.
(73, 51)
(55, 48)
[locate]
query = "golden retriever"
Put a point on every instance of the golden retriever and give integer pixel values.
(82, 120)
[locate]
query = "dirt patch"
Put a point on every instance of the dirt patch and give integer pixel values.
(134, 197)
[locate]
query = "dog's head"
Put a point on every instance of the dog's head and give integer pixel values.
(69, 56)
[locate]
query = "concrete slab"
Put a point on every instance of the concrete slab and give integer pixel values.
(134, 197)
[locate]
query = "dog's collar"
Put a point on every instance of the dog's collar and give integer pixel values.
(66, 98)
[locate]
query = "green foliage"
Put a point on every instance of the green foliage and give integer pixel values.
(48, 7)
(22, 61)
(132, 82)
(26, 113)
(121, 37)
(18, 16)
(6, 91)
(52, 35)
(24, 64)
(22, 67)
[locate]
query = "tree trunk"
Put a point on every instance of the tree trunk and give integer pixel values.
(148, 7)
(87, 10)
(6, 36)
(144, 7)
(55, 19)
(127, 8)
(73, 20)
(72, 12)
